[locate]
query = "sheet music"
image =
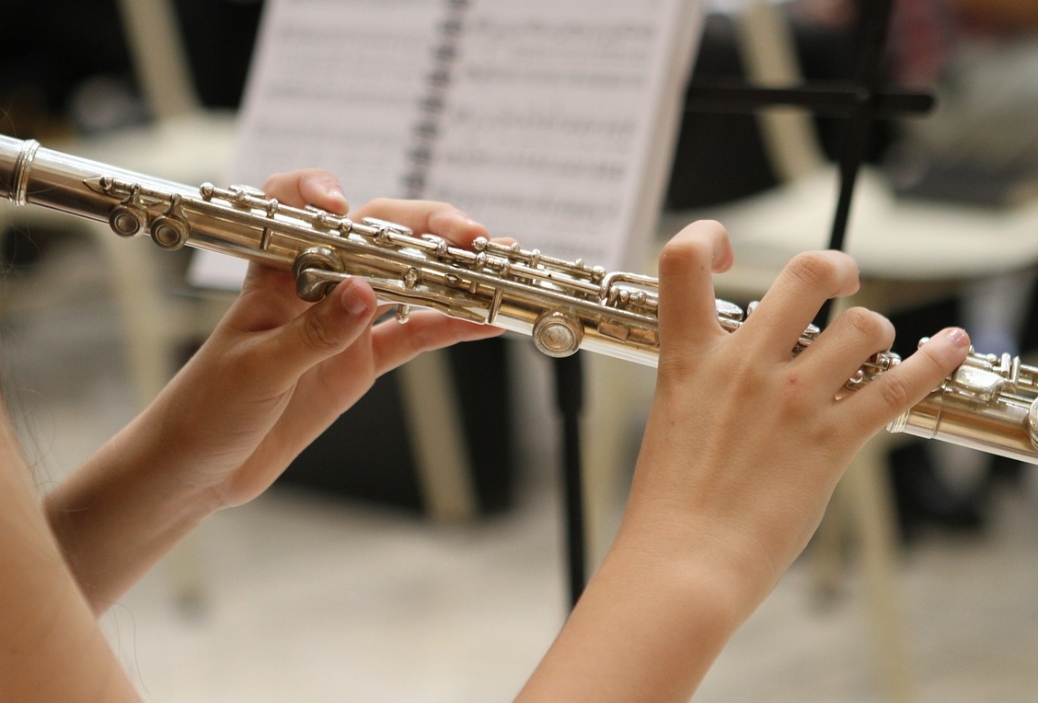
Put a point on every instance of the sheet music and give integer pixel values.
(550, 126)
(550, 121)
(334, 84)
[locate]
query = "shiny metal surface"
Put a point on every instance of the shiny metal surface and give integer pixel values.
(989, 403)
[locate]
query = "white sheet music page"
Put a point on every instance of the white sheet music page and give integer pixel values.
(560, 124)
(333, 84)
(550, 121)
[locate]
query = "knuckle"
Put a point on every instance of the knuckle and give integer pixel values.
(935, 364)
(814, 270)
(895, 392)
(869, 324)
(318, 334)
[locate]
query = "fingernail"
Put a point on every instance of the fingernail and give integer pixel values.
(959, 337)
(355, 302)
(333, 190)
(333, 187)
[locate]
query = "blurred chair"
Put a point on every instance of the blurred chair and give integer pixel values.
(908, 251)
(183, 142)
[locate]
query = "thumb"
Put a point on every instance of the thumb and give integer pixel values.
(326, 328)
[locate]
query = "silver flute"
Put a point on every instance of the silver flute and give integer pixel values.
(989, 403)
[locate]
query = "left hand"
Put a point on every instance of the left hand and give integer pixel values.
(277, 371)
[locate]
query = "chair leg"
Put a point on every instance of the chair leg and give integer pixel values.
(616, 391)
(828, 549)
(185, 576)
(146, 323)
(145, 320)
(438, 436)
(869, 500)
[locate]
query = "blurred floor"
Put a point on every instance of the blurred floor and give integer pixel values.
(319, 599)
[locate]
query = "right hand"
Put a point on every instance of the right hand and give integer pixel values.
(745, 443)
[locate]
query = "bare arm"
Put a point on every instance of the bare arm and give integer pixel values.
(274, 374)
(717, 513)
(51, 648)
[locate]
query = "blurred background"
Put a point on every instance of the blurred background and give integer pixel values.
(347, 585)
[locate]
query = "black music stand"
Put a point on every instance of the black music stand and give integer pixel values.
(861, 101)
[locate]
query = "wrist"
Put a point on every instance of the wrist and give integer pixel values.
(649, 620)
(119, 513)
(706, 551)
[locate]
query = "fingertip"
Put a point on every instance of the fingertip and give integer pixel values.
(687, 301)
(958, 337)
(693, 246)
(321, 188)
(953, 337)
(852, 280)
(939, 355)
(335, 201)
(723, 254)
(950, 346)
(456, 225)
(725, 258)
(357, 297)
(315, 186)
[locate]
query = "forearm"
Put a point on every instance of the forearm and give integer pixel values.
(122, 511)
(648, 627)
(51, 648)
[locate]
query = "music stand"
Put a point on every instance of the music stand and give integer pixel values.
(861, 101)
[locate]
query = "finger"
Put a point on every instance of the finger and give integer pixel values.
(394, 344)
(840, 351)
(896, 390)
(326, 329)
(688, 307)
(314, 186)
(426, 216)
(793, 301)
(267, 300)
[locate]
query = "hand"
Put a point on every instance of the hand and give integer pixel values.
(277, 371)
(742, 450)
(745, 443)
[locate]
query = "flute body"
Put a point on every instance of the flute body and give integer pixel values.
(989, 403)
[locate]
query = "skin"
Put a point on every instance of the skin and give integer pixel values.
(274, 374)
(715, 515)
